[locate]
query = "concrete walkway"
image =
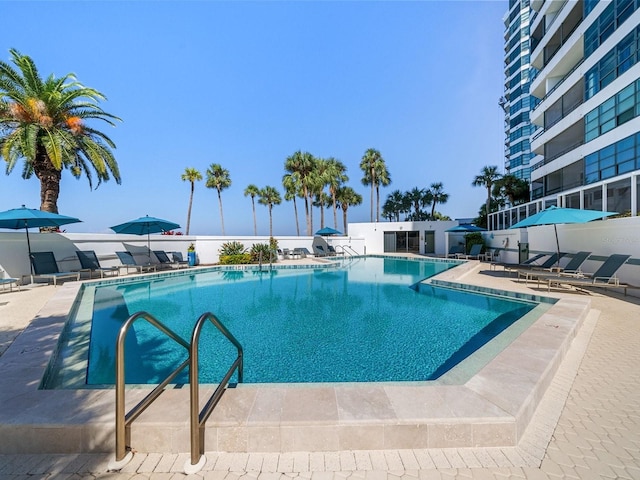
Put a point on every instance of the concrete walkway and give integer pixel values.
(589, 421)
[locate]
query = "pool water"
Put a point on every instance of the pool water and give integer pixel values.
(363, 322)
(367, 321)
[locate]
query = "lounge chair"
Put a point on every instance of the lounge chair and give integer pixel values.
(45, 266)
(128, 261)
(332, 250)
(572, 267)
(179, 259)
(304, 252)
(605, 276)
(455, 250)
(320, 251)
(474, 252)
(165, 261)
(89, 263)
(544, 266)
(8, 281)
(513, 266)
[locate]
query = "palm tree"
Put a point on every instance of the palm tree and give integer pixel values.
(218, 178)
(487, 177)
(253, 191)
(44, 122)
(375, 174)
(191, 175)
(292, 189)
(437, 196)
(336, 177)
(347, 196)
(270, 196)
(515, 189)
(395, 204)
(303, 164)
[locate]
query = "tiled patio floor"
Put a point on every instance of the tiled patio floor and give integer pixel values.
(589, 421)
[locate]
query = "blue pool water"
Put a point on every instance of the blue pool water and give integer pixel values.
(359, 323)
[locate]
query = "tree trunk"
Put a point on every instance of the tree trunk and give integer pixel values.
(255, 226)
(306, 210)
(335, 210)
(344, 220)
(190, 204)
(49, 177)
(221, 214)
(295, 211)
(270, 222)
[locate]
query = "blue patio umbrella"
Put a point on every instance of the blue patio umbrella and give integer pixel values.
(466, 228)
(326, 231)
(145, 226)
(23, 217)
(554, 215)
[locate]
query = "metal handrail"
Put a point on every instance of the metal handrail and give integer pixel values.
(344, 250)
(198, 418)
(123, 421)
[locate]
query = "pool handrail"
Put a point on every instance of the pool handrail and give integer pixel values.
(123, 421)
(198, 418)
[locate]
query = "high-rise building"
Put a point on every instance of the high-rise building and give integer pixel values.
(585, 77)
(516, 102)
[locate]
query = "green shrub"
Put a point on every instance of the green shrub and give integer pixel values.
(231, 248)
(236, 259)
(473, 238)
(268, 254)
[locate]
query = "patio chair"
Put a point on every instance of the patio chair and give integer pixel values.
(605, 276)
(165, 261)
(89, 263)
(513, 266)
(332, 251)
(301, 252)
(572, 267)
(45, 266)
(455, 250)
(128, 261)
(544, 266)
(8, 281)
(474, 252)
(179, 259)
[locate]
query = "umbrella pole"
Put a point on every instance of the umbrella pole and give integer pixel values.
(149, 246)
(26, 229)
(555, 228)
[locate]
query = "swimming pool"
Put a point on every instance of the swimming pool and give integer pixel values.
(358, 322)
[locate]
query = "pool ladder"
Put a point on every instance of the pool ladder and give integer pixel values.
(197, 418)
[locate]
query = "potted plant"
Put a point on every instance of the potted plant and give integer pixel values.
(191, 255)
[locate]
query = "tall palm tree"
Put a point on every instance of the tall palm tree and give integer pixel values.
(270, 196)
(346, 197)
(303, 164)
(292, 190)
(488, 176)
(44, 122)
(375, 174)
(396, 204)
(437, 196)
(218, 178)
(416, 198)
(336, 177)
(253, 191)
(191, 175)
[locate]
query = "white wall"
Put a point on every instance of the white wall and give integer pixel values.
(14, 257)
(373, 233)
(602, 238)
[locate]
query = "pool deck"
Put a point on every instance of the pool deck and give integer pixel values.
(586, 425)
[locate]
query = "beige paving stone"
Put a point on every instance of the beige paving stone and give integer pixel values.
(363, 461)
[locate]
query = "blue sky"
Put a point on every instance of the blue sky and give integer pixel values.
(246, 84)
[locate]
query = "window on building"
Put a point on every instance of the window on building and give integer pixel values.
(619, 196)
(572, 201)
(593, 198)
